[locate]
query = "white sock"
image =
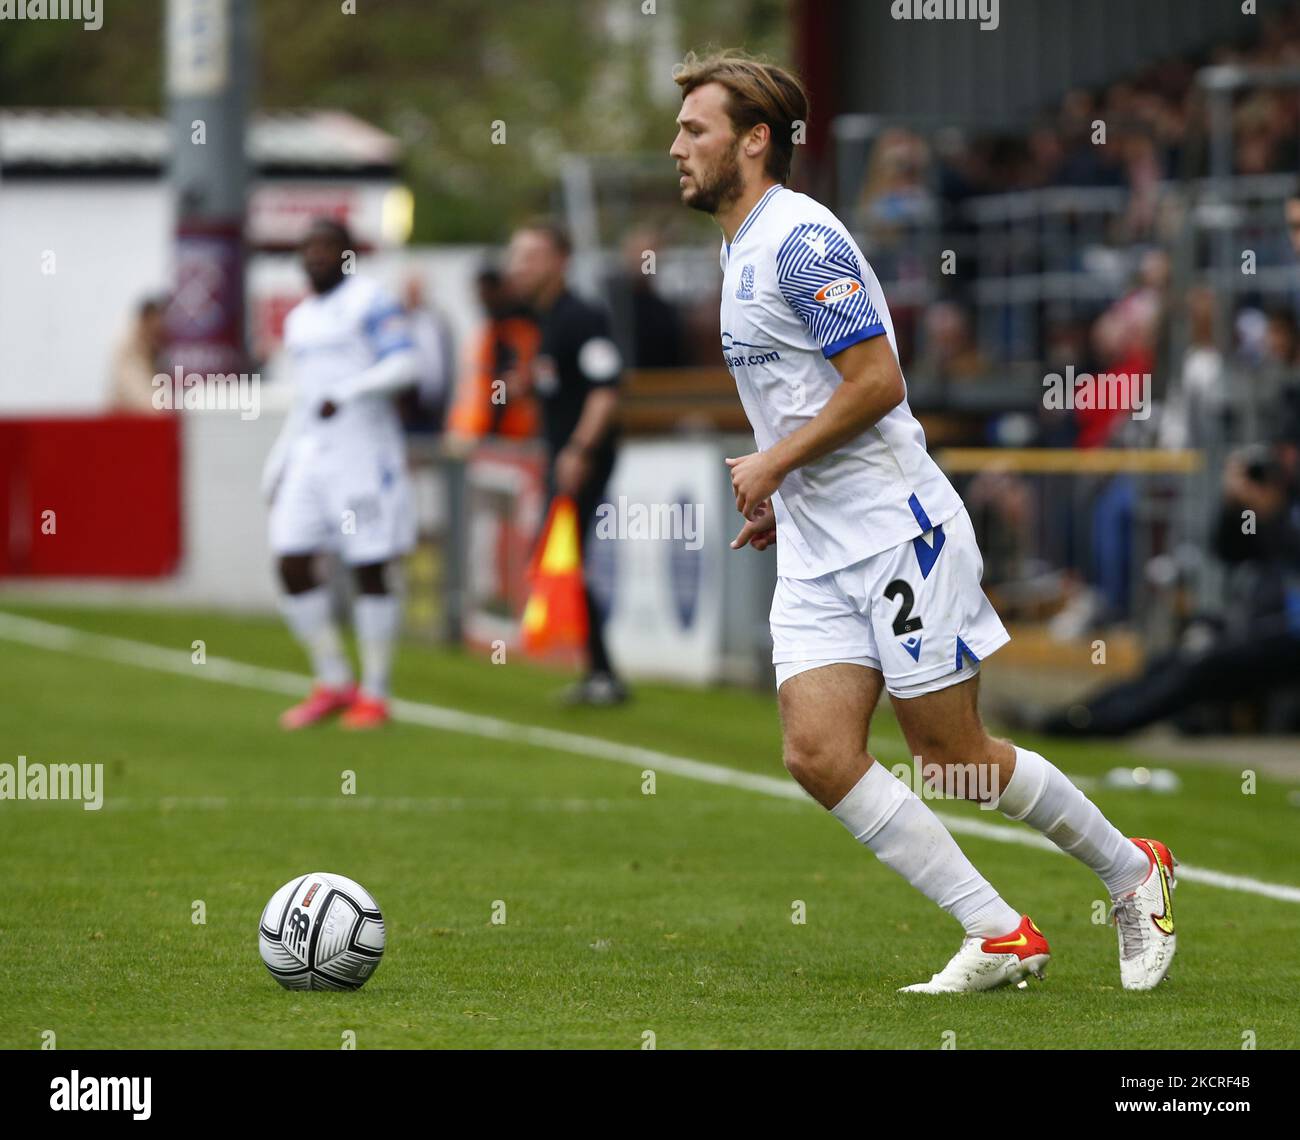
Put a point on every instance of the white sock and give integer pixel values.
(377, 617)
(309, 619)
(1041, 795)
(884, 814)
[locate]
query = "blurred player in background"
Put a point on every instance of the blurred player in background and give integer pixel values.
(575, 377)
(878, 571)
(336, 477)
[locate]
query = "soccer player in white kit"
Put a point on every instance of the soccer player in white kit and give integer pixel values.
(336, 477)
(878, 569)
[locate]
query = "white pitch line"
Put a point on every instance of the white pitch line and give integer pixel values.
(47, 635)
(425, 805)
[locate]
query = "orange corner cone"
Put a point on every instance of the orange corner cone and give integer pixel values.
(555, 615)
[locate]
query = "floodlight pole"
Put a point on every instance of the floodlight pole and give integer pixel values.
(209, 64)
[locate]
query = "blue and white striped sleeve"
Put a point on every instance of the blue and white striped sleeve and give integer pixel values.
(386, 327)
(821, 279)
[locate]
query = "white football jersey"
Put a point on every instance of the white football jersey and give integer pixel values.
(331, 338)
(796, 290)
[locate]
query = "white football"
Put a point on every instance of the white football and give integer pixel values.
(321, 932)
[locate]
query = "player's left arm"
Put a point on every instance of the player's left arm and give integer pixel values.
(824, 283)
(397, 361)
(872, 387)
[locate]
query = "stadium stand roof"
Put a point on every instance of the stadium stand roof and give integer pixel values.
(63, 141)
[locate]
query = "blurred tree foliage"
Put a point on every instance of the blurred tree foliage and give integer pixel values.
(562, 75)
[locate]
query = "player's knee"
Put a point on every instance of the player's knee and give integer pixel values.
(296, 573)
(807, 757)
(371, 579)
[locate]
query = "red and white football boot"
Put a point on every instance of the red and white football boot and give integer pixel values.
(987, 963)
(1144, 919)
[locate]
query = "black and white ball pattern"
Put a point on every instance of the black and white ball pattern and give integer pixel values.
(321, 932)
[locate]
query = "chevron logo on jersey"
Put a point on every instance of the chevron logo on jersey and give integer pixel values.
(821, 279)
(817, 243)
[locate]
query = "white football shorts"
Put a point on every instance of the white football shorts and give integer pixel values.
(915, 612)
(357, 503)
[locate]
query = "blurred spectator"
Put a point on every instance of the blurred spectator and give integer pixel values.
(1143, 171)
(647, 329)
(1293, 222)
(1280, 363)
(1193, 413)
(1007, 508)
(950, 354)
(491, 398)
(894, 204)
(138, 359)
(1125, 338)
(425, 406)
(1083, 161)
(1257, 649)
(1293, 232)
(1257, 131)
(1267, 350)
(894, 193)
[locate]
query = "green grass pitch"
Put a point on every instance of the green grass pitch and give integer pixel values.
(625, 913)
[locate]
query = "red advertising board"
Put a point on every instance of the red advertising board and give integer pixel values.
(90, 498)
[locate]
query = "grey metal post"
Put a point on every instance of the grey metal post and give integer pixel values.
(455, 548)
(209, 72)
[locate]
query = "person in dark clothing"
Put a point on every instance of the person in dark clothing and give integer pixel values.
(647, 328)
(1258, 652)
(575, 378)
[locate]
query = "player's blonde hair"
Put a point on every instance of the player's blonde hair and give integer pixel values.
(757, 92)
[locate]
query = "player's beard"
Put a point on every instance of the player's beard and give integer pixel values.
(723, 186)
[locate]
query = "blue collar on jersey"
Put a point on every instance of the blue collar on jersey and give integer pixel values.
(753, 214)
